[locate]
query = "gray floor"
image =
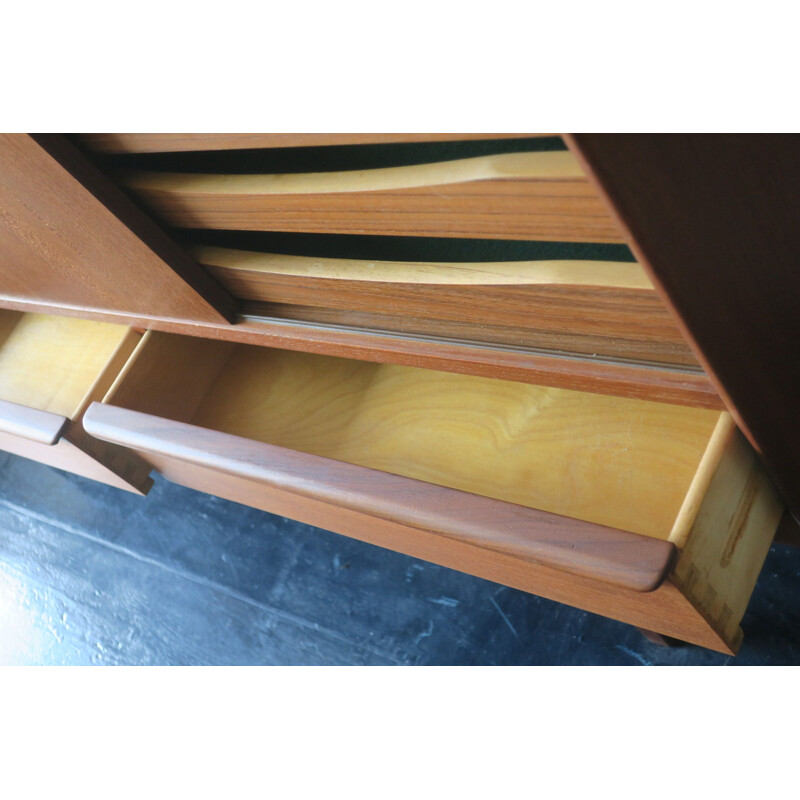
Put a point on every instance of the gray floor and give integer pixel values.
(93, 575)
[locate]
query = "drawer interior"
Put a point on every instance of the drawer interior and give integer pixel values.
(616, 461)
(58, 364)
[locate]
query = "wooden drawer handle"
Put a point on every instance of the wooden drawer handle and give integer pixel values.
(31, 423)
(627, 560)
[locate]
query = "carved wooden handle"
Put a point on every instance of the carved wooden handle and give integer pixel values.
(627, 560)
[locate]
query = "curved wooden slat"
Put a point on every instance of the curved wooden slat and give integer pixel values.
(634, 562)
(595, 274)
(558, 165)
(178, 142)
(611, 304)
(527, 196)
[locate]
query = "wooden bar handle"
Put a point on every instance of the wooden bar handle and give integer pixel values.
(31, 423)
(627, 560)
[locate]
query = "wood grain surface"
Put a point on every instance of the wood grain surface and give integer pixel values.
(665, 609)
(615, 462)
(176, 142)
(50, 363)
(76, 452)
(602, 301)
(725, 550)
(731, 275)
(621, 377)
(57, 366)
(722, 530)
(634, 562)
(526, 196)
(71, 238)
(537, 335)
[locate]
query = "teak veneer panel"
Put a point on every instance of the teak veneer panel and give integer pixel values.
(177, 142)
(533, 196)
(664, 609)
(70, 238)
(543, 335)
(552, 365)
(604, 302)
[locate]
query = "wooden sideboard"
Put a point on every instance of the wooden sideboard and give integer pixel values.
(477, 349)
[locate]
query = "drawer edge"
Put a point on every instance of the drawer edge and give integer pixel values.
(627, 560)
(33, 424)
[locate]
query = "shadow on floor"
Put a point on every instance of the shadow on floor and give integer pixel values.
(93, 575)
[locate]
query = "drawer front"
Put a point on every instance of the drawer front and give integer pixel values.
(54, 367)
(630, 561)
(664, 609)
(356, 453)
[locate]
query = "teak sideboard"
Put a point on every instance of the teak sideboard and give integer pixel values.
(567, 364)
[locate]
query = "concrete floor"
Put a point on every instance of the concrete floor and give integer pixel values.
(93, 575)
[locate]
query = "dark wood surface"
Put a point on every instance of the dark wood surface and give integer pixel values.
(716, 221)
(625, 560)
(39, 426)
(70, 238)
(176, 142)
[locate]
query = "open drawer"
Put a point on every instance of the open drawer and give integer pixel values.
(51, 369)
(654, 514)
